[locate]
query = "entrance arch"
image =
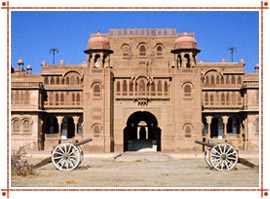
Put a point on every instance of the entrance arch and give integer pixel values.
(142, 132)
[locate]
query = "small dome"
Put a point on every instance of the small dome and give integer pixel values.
(185, 41)
(98, 41)
(28, 67)
(20, 62)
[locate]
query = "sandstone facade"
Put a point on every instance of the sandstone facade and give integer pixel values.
(140, 89)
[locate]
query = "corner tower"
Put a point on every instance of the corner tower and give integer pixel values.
(98, 50)
(98, 94)
(185, 50)
(186, 97)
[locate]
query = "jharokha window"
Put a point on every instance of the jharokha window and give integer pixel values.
(142, 51)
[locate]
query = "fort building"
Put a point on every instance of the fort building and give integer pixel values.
(138, 90)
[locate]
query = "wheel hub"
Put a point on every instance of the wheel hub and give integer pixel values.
(223, 156)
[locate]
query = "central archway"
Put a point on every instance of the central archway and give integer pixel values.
(142, 132)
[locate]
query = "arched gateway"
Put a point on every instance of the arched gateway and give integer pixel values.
(142, 132)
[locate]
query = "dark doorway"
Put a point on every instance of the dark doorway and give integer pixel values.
(142, 133)
(68, 128)
(214, 127)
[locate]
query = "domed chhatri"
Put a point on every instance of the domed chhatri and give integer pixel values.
(98, 42)
(185, 41)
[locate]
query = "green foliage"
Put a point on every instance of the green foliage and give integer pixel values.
(19, 165)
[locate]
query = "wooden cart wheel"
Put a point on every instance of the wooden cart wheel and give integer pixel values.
(223, 156)
(207, 157)
(81, 152)
(66, 156)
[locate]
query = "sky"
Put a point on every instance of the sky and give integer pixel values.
(34, 33)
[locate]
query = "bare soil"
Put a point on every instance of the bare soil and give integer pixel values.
(108, 172)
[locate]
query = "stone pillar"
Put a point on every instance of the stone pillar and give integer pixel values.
(59, 121)
(225, 122)
(138, 132)
(76, 120)
(209, 121)
(184, 61)
(40, 136)
(192, 62)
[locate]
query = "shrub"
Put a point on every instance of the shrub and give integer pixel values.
(19, 165)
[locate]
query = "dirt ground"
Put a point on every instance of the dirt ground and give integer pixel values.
(144, 172)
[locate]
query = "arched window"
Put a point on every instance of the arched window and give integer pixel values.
(97, 90)
(166, 88)
(26, 126)
(233, 98)
(233, 79)
(153, 89)
(212, 80)
(57, 80)
(211, 99)
(124, 87)
(187, 60)
(67, 80)
(78, 80)
(16, 126)
(228, 98)
(227, 79)
(239, 80)
(159, 88)
(222, 99)
(130, 88)
(52, 80)
(217, 79)
(207, 80)
(97, 61)
(56, 99)
(125, 51)
(46, 80)
(72, 80)
(118, 88)
(62, 98)
(96, 130)
(159, 51)
(187, 90)
(188, 131)
(51, 97)
(73, 98)
(206, 99)
(142, 51)
(78, 99)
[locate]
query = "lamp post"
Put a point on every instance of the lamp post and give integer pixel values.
(53, 51)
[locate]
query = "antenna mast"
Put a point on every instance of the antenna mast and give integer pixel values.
(232, 50)
(53, 51)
